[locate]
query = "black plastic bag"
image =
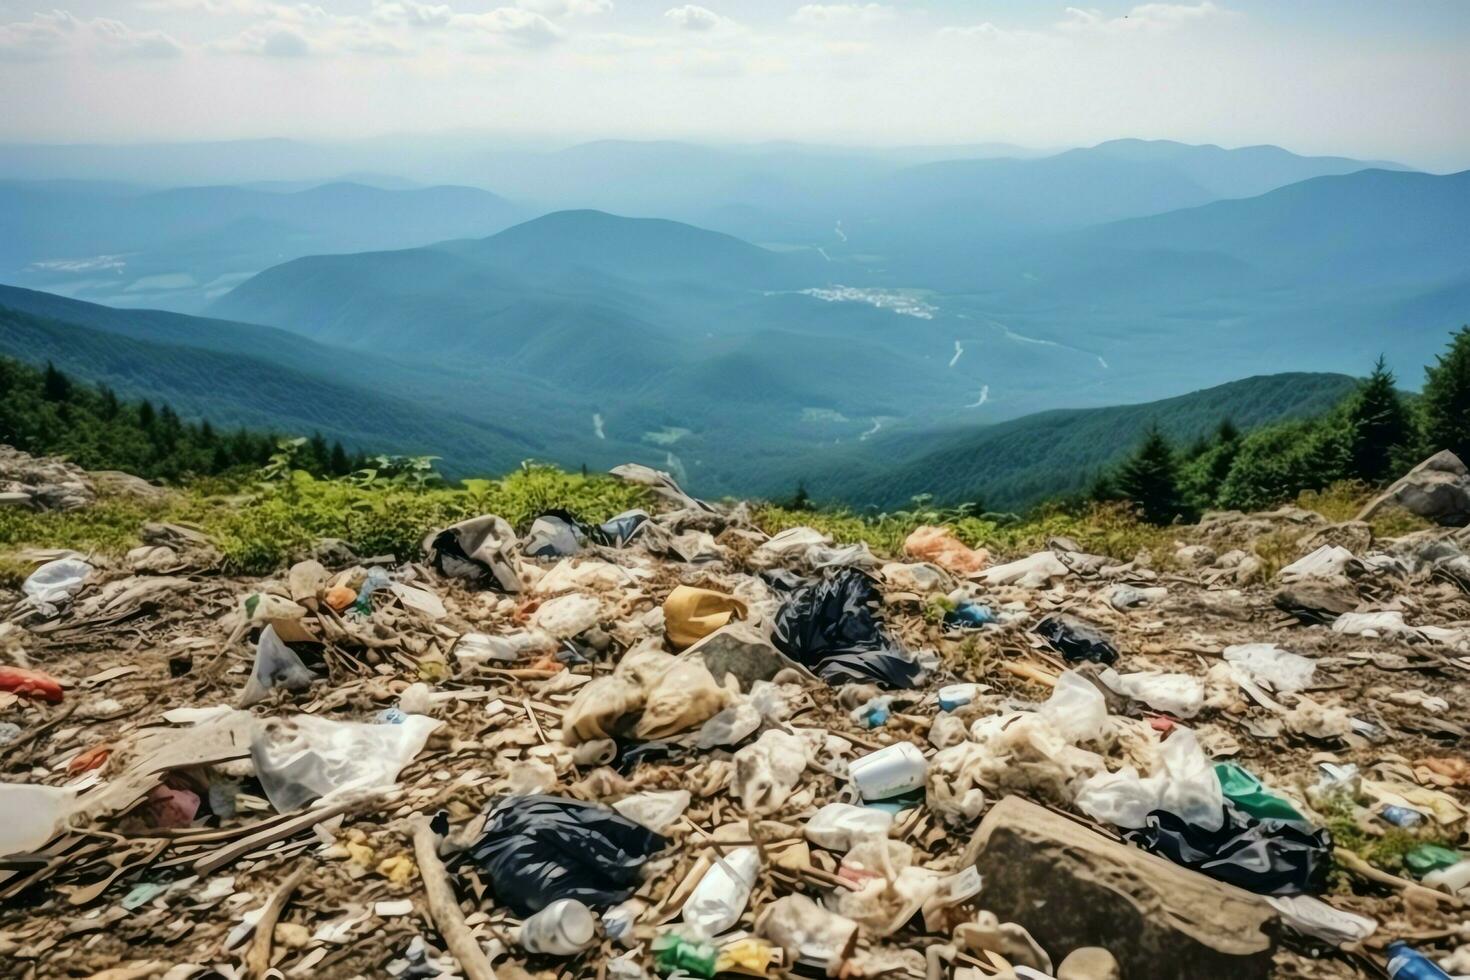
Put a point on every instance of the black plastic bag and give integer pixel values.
(832, 628)
(539, 849)
(1076, 640)
(880, 667)
(618, 531)
(1269, 857)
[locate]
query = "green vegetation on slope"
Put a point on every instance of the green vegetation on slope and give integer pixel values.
(1021, 463)
(46, 413)
(1369, 437)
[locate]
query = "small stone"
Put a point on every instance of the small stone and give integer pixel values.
(1088, 963)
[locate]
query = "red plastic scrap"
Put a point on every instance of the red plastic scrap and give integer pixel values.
(89, 759)
(33, 683)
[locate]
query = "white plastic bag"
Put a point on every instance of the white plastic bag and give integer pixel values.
(837, 826)
(305, 758)
(567, 615)
(55, 582)
(1076, 709)
(276, 665)
(722, 894)
(1180, 695)
(1268, 663)
(1192, 789)
(1187, 786)
(1121, 798)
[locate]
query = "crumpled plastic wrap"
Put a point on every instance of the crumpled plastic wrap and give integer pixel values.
(303, 759)
(276, 665)
(480, 551)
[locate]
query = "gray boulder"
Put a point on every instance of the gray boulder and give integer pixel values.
(1437, 490)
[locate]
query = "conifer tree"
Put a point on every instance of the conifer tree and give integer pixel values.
(1150, 479)
(1379, 424)
(1446, 401)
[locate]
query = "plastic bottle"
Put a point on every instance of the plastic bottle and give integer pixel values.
(1405, 963)
(563, 928)
(376, 579)
(891, 771)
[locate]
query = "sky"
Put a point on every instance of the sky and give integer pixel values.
(1381, 79)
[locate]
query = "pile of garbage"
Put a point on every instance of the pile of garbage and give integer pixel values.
(669, 744)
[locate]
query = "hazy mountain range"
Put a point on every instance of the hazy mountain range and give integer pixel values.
(771, 313)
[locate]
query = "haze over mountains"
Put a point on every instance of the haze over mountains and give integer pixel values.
(744, 316)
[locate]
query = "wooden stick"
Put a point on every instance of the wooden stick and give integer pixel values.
(444, 907)
(1030, 673)
(258, 957)
(1354, 863)
(215, 860)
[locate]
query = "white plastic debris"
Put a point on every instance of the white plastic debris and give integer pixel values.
(658, 811)
(1180, 695)
(1076, 708)
(722, 894)
(1267, 663)
(1386, 623)
(478, 648)
(1030, 573)
(276, 665)
(54, 583)
(33, 813)
(767, 770)
(304, 758)
(1311, 916)
(1186, 785)
(837, 826)
(1327, 561)
(568, 615)
(419, 600)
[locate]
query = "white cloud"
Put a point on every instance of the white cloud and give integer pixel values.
(268, 40)
(566, 8)
(62, 34)
(392, 27)
(691, 17)
(990, 33)
(1149, 18)
(408, 13)
(521, 28)
(842, 14)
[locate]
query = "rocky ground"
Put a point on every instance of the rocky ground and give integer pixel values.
(169, 813)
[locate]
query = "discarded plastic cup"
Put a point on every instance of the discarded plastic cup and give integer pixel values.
(563, 928)
(891, 771)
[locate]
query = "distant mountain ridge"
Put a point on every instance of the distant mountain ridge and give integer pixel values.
(126, 244)
(241, 374)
